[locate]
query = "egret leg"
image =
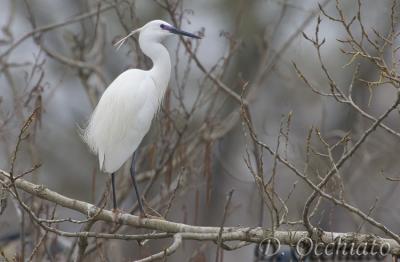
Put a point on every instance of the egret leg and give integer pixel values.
(113, 191)
(133, 171)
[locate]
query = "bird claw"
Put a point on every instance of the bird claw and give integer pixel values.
(153, 217)
(116, 214)
(143, 215)
(146, 215)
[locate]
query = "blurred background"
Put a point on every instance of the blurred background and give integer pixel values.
(198, 145)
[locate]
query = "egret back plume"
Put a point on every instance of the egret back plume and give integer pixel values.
(120, 42)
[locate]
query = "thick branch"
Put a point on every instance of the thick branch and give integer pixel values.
(247, 234)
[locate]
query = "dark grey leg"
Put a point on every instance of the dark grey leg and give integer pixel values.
(133, 171)
(113, 190)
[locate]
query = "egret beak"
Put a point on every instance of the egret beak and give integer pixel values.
(181, 32)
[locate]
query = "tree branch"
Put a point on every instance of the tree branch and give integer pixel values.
(185, 231)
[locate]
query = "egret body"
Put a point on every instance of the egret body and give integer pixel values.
(125, 111)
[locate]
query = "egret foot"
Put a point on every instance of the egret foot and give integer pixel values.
(116, 215)
(143, 215)
(154, 215)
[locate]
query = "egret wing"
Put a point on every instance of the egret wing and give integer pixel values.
(115, 128)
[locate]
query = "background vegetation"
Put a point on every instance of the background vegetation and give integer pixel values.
(282, 121)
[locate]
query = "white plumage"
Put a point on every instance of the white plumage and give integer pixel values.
(125, 111)
(122, 118)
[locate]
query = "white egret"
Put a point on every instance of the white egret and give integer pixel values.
(125, 111)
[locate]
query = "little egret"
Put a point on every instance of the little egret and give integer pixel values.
(125, 111)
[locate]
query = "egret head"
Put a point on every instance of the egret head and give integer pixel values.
(157, 31)
(160, 30)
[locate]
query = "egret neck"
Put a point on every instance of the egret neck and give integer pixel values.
(161, 70)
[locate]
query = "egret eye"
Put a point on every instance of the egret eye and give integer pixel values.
(163, 26)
